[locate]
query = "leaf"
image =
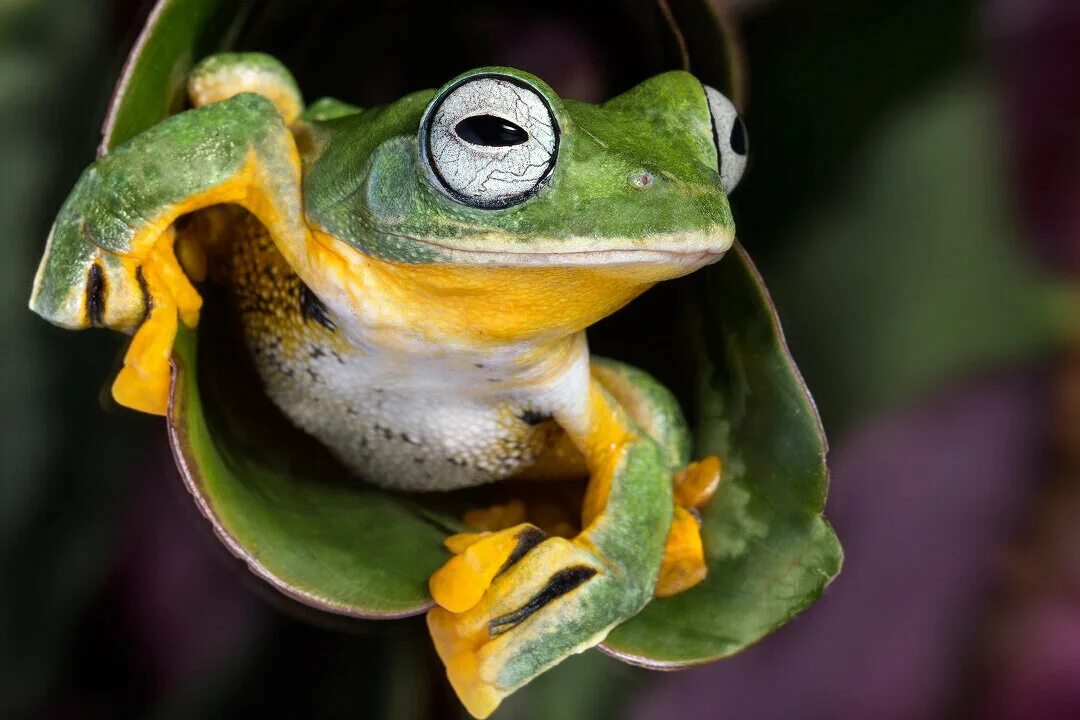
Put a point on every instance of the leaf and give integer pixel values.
(278, 502)
(152, 86)
(769, 550)
(708, 44)
(336, 546)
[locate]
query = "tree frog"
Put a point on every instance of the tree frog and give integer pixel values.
(413, 282)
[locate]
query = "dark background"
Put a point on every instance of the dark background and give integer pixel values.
(912, 204)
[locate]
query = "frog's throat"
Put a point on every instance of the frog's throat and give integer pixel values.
(484, 305)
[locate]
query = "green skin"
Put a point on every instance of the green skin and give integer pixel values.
(364, 182)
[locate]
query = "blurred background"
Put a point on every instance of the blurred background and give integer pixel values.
(912, 205)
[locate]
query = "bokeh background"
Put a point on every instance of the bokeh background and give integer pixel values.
(912, 205)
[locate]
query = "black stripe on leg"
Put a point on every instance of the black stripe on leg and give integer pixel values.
(95, 296)
(527, 539)
(560, 583)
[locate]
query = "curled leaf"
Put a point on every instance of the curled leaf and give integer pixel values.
(279, 501)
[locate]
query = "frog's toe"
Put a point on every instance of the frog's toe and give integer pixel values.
(541, 604)
(697, 482)
(683, 565)
(461, 542)
(462, 581)
(143, 383)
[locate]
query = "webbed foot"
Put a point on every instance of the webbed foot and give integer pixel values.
(515, 602)
(683, 565)
(143, 382)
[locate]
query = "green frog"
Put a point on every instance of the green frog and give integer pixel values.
(414, 282)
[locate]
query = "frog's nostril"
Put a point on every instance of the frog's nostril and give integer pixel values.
(641, 180)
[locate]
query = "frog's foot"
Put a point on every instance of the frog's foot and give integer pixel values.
(143, 383)
(684, 566)
(479, 557)
(512, 604)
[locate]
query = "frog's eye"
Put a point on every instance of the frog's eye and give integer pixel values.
(729, 134)
(490, 141)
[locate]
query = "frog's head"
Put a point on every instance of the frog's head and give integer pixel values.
(561, 208)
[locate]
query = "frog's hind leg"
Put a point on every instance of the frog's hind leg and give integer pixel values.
(650, 404)
(655, 410)
(513, 602)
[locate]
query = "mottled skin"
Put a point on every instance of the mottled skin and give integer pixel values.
(430, 341)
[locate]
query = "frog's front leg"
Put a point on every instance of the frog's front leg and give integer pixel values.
(110, 261)
(515, 603)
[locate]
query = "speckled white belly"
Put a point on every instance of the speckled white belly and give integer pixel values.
(427, 438)
(402, 411)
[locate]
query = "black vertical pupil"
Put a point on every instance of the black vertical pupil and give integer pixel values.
(738, 137)
(490, 131)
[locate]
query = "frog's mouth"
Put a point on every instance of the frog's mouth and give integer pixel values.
(682, 252)
(588, 261)
(595, 258)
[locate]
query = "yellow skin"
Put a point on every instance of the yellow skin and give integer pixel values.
(416, 297)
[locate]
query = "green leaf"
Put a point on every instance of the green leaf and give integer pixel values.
(152, 86)
(769, 550)
(707, 44)
(328, 542)
(278, 502)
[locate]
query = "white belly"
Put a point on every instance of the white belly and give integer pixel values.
(402, 433)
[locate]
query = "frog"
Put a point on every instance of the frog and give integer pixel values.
(413, 283)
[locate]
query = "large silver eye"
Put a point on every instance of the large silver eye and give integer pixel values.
(490, 141)
(729, 133)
